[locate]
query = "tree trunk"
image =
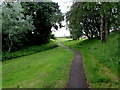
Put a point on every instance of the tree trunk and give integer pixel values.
(108, 26)
(98, 31)
(10, 45)
(104, 30)
(101, 29)
(88, 36)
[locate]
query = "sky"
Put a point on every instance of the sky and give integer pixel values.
(64, 7)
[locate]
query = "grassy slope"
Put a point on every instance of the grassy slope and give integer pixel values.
(44, 69)
(28, 51)
(0, 75)
(100, 60)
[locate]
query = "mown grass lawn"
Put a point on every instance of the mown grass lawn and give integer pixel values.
(47, 69)
(0, 75)
(60, 39)
(100, 60)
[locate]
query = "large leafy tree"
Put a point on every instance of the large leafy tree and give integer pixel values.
(14, 25)
(94, 19)
(28, 23)
(109, 18)
(73, 21)
(45, 15)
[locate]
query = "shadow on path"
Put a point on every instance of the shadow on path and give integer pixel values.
(77, 77)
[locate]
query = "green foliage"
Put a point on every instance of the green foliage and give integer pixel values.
(45, 15)
(74, 23)
(100, 60)
(14, 25)
(27, 51)
(28, 23)
(48, 69)
(53, 36)
(93, 19)
(57, 18)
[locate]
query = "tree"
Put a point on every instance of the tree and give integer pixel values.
(73, 21)
(14, 25)
(94, 19)
(109, 16)
(28, 23)
(45, 15)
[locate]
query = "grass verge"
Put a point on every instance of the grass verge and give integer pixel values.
(28, 51)
(48, 69)
(100, 60)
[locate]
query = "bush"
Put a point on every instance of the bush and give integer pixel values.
(27, 51)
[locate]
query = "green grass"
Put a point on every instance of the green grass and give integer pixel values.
(61, 39)
(100, 60)
(0, 75)
(47, 69)
(28, 51)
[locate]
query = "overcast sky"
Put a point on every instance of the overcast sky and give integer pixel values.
(64, 7)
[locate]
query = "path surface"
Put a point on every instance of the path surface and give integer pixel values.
(77, 77)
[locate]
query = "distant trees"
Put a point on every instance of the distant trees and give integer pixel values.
(28, 23)
(93, 19)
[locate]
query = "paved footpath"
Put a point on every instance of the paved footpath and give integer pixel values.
(77, 77)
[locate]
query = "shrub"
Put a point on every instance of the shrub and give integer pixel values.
(27, 51)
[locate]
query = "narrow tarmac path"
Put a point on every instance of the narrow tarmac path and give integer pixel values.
(77, 77)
